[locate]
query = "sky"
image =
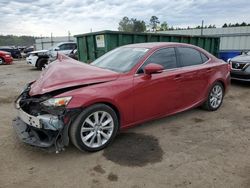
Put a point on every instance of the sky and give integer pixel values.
(43, 17)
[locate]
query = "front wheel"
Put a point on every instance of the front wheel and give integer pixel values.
(41, 63)
(215, 97)
(1, 61)
(94, 128)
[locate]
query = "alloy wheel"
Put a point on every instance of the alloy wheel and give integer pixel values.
(97, 129)
(216, 96)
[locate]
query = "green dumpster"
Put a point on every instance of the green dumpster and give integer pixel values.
(93, 45)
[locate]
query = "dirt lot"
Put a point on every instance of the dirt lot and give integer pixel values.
(192, 149)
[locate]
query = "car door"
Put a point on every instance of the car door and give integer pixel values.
(156, 95)
(194, 77)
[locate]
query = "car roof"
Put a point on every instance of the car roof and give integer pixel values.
(157, 44)
(70, 42)
(4, 52)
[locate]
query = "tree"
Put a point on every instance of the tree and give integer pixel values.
(243, 24)
(164, 26)
(138, 25)
(225, 25)
(125, 25)
(12, 40)
(171, 28)
(154, 21)
(237, 25)
(131, 25)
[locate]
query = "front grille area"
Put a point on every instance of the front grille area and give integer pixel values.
(31, 105)
(238, 65)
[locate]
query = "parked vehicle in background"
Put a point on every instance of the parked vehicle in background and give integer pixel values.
(63, 47)
(38, 58)
(88, 104)
(42, 57)
(28, 49)
(240, 67)
(74, 54)
(5, 58)
(15, 52)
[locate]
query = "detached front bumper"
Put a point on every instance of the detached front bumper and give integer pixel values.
(45, 131)
(33, 136)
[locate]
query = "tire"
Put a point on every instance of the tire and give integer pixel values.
(1, 61)
(41, 63)
(215, 97)
(90, 135)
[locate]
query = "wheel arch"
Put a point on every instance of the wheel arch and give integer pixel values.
(41, 57)
(111, 105)
(3, 59)
(221, 82)
(212, 84)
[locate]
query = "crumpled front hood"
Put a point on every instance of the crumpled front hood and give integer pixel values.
(241, 58)
(66, 72)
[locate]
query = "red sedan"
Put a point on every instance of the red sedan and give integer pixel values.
(5, 58)
(89, 104)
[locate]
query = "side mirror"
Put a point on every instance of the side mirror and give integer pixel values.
(153, 68)
(56, 48)
(229, 60)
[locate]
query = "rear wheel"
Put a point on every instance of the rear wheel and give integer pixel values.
(215, 97)
(1, 61)
(41, 63)
(94, 128)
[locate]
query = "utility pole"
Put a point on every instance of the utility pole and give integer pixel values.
(202, 24)
(51, 39)
(68, 35)
(41, 41)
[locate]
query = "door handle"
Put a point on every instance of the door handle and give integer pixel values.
(178, 77)
(209, 70)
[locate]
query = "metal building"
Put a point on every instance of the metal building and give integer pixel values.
(48, 42)
(233, 40)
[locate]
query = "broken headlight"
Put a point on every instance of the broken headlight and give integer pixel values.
(57, 102)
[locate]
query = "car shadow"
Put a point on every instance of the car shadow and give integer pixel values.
(35, 69)
(240, 83)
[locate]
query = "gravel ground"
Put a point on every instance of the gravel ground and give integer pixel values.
(191, 149)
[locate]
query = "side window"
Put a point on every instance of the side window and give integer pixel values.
(165, 57)
(62, 47)
(67, 46)
(189, 56)
(72, 46)
(204, 58)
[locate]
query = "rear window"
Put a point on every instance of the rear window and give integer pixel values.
(190, 56)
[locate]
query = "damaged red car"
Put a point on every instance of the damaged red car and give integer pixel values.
(88, 104)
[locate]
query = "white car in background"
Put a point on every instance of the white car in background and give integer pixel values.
(42, 57)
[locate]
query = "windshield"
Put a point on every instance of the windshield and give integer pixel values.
(121, 59)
